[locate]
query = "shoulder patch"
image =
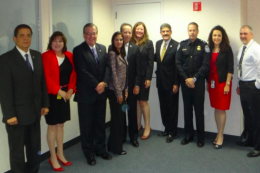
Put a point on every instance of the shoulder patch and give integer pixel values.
(207, 48)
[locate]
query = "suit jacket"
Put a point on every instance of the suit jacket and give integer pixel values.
(88, 75)
(166, 73)
(134, 66)
(147, 59)
(134, 72)
(52, 72)
(118, 81)
(22, 92)
(225, 64)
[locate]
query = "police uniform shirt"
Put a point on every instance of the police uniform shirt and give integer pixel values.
(250, 63)
(198, 66)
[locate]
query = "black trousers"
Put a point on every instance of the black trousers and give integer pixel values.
(132, 117)
(115, 140)
(30, 137)
(92, 126)
(169, 106)
(194, 97)
(250, 101)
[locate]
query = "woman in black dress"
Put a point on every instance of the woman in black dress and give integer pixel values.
(61, 81)
(140, 38)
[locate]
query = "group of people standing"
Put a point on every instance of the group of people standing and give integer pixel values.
(33, 85)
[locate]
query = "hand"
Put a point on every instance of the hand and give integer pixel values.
(226, 89)
(12, 121)
(62, 94)
(44, 111)
(69, 94)
(136, 90)
(238, 91)
(190, 83)
(101, 87)
(126, 94)
(120, 100)
(147, 83)
(175, 89)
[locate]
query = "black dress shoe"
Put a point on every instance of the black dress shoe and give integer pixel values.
(163, 134)
(186, 141)
(91, 160)
(105, 156)
(135, 143)
(243, 144)
(169, 139)
(200, 144)
(253, 153)
(122, 153)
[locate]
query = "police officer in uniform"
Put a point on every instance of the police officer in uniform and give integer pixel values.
(192, 61)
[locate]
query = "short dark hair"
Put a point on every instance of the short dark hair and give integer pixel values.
(52, 38)
(90, 25)
(224, 45)
(122, 50)
(16, 30)
(194, 23)
(125, 24)
(167, 25)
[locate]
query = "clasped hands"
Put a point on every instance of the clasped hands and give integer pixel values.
(65, 95)
(100, 88)
(190, 83)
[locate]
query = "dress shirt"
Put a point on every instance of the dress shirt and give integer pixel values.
(126, 50)
(167, 43)
(23, 55)
(250, 63)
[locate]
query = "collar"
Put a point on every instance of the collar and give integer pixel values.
(23, 52)
(127, 44)
(167, 42)
(249, 44)
(194, 43)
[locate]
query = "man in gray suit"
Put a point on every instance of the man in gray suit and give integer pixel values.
(24, 98)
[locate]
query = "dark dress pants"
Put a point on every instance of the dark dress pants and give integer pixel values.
(194, 97)
(250, 101)
(115, 140)
(132, 117)
(30, 137)
(169, 105)
(92, 126)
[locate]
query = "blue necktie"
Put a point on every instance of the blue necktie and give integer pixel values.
(96, 57)
(28, 62)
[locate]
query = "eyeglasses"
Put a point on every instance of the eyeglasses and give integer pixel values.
(90, 34)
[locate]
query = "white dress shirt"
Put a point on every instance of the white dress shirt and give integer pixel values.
(250, 63)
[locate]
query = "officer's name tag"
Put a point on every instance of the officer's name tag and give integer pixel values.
(212, 84)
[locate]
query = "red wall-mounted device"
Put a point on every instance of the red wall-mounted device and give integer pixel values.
(196, 6)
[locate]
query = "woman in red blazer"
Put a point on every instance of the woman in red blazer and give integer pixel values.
(61, 81)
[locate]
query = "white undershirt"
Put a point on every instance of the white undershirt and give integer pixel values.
(60, 60)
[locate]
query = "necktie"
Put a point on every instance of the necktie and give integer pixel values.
(27, 61)
(95, 55)
(241, 60)
(163, 51)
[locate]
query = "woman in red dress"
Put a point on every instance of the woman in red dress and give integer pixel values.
(219, 80)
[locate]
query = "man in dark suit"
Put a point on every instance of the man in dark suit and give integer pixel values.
(91, 65)
(167, 82)
(24, 98)
(134, 76)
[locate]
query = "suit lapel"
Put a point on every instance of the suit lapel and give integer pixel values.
(88, 53)
(99, 51)
(129, 50)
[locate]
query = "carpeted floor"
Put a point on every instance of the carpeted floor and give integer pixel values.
(156, 156)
